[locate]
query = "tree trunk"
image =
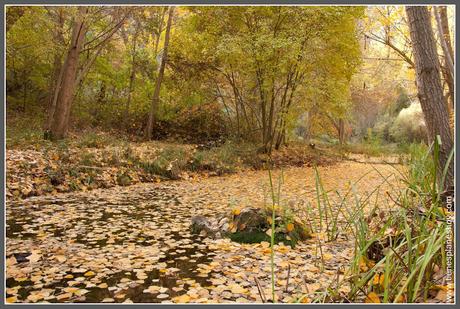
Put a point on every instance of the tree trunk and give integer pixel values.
(66, 89)
(445, 30)
(429, 86)
(444, 37)
(156, 94)
(56, 76)
(308, 120)
(24, 97)
(341, 131)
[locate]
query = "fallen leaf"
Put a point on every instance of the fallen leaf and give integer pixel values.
(372, 298)
(183, 299)
(61, 258)
(11, 299)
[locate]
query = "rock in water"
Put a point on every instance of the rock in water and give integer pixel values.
(202, 224)
(250, 225)
(251, 220)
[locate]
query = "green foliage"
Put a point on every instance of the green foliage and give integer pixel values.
(226, 158)
(97, 140)
(250, 237)
(244, 72)
(258, 49)
(202, 122)
(258, 236)
(168, 163)
(404, 246)
(24, 131)
(87, 158)
(28, 61)
(420, 176)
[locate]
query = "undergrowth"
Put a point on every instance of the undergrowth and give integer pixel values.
(400, 255)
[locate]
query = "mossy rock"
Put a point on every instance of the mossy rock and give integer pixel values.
(249, 237)
(251, 225)
(250, 219)
(259, 236)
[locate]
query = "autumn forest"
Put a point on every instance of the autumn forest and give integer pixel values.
(229, 154)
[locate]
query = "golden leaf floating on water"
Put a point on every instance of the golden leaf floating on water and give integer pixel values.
(183, 299)
(61, 258)
(11, 299)
(237, 289)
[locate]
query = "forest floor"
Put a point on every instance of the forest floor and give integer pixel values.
(133, 244)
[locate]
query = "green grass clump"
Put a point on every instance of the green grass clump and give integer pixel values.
(399, 256)
(169, 163)
(87, 158)
(226, 158)
(25, 131)
(97, 140)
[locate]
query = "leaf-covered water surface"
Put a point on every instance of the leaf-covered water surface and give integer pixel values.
(133, 244)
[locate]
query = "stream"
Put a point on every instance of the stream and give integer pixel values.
(133, 244)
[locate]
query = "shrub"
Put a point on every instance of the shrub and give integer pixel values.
(199, 123)
(409, 126)
(87, 158)
(226, 158)
(169, 163)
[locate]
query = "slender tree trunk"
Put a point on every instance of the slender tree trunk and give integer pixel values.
(307, 125)
(445, 30)
(156, 94)
(444, 37)
(341, 131)
(281, 137)
(24, 98)
(160, 30)
(66, 89)
(429, 86)
(56, 76)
